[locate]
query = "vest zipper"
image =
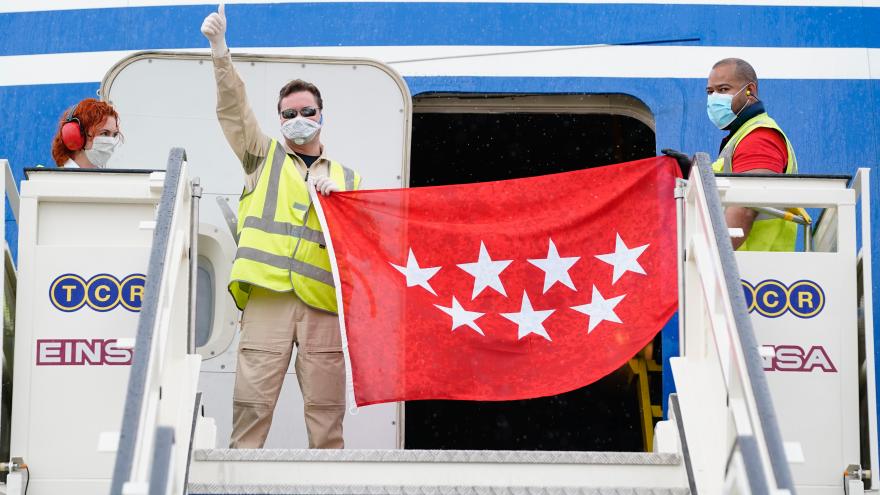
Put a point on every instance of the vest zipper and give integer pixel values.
(293, 255)
(296, 246)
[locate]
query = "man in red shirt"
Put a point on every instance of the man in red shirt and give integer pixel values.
(760, 150)
(755, 145)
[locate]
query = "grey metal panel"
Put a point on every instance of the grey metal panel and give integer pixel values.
(192, 436)
(217, 488)
(754, 362)
(842, 177)
(439, 456)
(228, 215)
(748, 445)
(685, 451)
(160, 470)
(12, 193)
(143, 342)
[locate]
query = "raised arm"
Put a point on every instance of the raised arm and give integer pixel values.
(236, 117)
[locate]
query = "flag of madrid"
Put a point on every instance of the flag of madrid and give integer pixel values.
(503, 290)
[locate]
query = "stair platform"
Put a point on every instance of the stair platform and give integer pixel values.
(434, 472)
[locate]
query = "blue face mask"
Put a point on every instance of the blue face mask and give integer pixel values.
(718, 106)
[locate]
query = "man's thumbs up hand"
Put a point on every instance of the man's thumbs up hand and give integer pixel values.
(214, 28)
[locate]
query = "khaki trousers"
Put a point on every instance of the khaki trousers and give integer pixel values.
(271, 324)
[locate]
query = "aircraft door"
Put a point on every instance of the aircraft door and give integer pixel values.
(168, 99)
(523, 135)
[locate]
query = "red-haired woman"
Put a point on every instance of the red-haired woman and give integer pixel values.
(87, 136)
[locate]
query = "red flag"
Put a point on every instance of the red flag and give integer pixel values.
(503, 290)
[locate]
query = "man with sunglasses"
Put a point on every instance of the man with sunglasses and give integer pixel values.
(281, 277)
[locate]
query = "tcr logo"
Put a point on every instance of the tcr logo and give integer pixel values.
(772, 298)
(102, 292)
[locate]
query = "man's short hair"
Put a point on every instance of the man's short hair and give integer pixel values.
(296, 86)
(743, 70)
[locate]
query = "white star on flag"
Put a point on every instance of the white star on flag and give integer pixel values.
(486, 272)
(416, 275)
(600, 309)
(555, 268)
(461, 316)
(623, 259)
(529, 320)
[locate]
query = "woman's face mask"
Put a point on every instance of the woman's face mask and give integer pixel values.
(102, 149)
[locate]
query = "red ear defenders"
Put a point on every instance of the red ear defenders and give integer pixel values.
(72, 133)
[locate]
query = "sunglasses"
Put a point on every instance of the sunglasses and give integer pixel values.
(291, 113)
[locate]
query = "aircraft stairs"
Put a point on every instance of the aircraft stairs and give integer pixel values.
(303, 471)
(721, 434)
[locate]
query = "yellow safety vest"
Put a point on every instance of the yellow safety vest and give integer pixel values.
(281, 246)
(768, 233)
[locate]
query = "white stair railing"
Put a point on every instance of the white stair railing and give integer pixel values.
(154, 440)
(7, 298)
(728, 417)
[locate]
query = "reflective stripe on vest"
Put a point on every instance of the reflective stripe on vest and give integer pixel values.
(285, 263)
(768, 233)
(348, 175)
(281, 246)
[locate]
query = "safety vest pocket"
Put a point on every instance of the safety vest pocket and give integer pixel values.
(299, 212)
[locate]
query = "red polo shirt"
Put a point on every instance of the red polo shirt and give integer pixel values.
(761, 148)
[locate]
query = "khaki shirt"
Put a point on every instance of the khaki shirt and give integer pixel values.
(239, 124)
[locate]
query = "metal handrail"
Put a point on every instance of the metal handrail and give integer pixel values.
(768, 432)
(784, 215)
(802, 219)
(193, 265)
(138, 377)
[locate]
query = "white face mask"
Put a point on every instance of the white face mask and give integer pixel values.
(102, 149)
(301, 130)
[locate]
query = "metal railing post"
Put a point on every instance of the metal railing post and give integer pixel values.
(808, 238)
(680, 185)
(193, 266)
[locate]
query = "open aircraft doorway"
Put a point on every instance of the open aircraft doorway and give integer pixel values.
(466, 138)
